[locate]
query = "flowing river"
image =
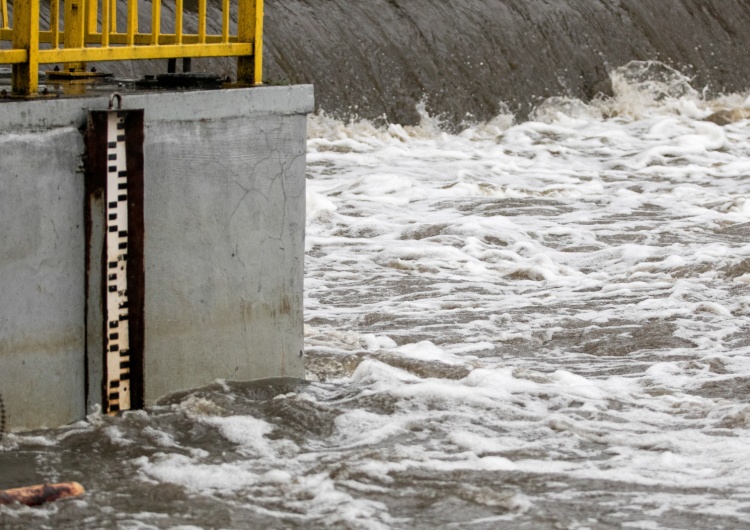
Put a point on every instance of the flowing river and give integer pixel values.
(531, 324)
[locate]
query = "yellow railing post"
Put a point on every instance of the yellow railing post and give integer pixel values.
(74, 27)
(258, 43)
(54, 22)
(112, 15)
(155, 21)
(132, 21)
(4, 13)
(106, 23)
(26, 37)
(201, 21)
(225, 6)
(178, 21)
(92, 12)
(250, 29)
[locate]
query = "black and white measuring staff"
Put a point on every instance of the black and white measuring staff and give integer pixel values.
(117, 328)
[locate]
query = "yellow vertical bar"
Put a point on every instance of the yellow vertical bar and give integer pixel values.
(155, 21)
(105, 23)
(178, 22)
(225, 21)
(258, 44)
(73, 30)
(73, 24)
(132, 21)
(26, 37)
(4, 9)
(250, 29)
(92, 13)
(54, 22)
(113, 16)
(202, 21)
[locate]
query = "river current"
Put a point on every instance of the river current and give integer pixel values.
(537, 324)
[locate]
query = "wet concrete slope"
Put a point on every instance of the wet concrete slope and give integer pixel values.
(381, 57)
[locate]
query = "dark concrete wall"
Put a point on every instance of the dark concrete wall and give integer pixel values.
(469, 58)
(380, 57)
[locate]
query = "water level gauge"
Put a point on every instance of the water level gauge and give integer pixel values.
(114, 170)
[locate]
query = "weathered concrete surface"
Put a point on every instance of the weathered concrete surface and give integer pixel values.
(224, 250)
(224, 244)
(41, 286)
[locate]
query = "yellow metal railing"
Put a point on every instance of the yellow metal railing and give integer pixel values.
(92, 32)
(4, 14)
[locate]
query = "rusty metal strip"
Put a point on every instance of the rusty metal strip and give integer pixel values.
(136, 259)
(114, 169)
(2, 417)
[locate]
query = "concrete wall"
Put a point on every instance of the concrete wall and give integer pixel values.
(41, 282)
(224, 242)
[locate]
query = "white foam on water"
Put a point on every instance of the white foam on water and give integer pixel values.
(564, 300)
(589, 252)
(185, 471)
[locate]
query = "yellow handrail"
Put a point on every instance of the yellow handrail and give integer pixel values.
(90, 33)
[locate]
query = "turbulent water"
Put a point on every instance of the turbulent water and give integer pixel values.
(523, 325)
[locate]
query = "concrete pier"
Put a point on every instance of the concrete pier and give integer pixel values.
(224, 214)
